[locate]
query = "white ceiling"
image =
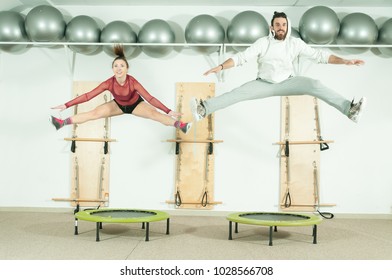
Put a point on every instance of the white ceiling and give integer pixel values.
(11, 4)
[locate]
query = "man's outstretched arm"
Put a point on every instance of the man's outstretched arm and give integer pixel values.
(333, 59)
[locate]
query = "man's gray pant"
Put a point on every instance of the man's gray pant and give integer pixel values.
(258, 89)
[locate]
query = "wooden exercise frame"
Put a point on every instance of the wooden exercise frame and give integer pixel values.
(300, 147)
(90, 153)
(194, 172)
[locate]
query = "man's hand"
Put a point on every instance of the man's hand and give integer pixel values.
(216, 69)
(356, 62)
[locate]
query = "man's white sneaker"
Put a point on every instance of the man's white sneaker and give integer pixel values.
(356, 110)
(197, 109)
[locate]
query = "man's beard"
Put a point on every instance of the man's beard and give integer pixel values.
(280, 36)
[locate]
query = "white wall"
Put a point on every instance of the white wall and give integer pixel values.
(35, 165)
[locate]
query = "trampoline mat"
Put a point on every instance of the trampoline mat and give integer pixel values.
(274, 217)
(123, 214)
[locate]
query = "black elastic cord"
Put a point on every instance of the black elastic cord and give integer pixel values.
(204, 200)
(323, 146)
(178, 199)
(210, 148)
(287, 149)
(326, 215)
(77, 209)
(105, 148)
(287, 200)
(73, 146)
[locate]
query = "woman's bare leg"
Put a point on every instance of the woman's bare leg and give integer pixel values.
(109, 109)
(105, 110)
(145, 110)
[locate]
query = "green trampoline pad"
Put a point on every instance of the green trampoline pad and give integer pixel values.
(274, 219)
(121, 215)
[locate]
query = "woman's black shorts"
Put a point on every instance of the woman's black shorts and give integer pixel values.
(129, 109)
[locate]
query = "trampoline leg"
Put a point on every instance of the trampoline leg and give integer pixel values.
(167, 225)
(143, 227)
(275, 228)
(270, 236)
(76, 227)
(230, 229)
(97, 238)
(100, 225)
(236, 228)
(147, 231)
(314, 234)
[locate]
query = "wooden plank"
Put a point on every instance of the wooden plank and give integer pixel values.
(297, 169)
(80, 200)
(303, 142)
(90, 165)
(194, 165)
(312, 205)
(194, 202)
(90, 139)
(193, 141)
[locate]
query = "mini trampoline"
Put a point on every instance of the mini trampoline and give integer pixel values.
(273, 220)
(121, 216)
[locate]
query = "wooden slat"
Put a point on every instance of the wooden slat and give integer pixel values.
(91, 139)
(305, 142)
(80, 200)
(194, 203)
(310, 205)
(193, 141)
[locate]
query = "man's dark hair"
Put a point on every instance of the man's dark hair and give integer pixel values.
(278, 15)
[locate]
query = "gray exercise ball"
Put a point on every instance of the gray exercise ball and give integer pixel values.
(295, 33)
(385, 37)
(118, 32)
(319, 25)
(245, 28)
(358, 29)
(156, 31)
(12, 30)
(83, 29)
(45, 24)
(204, 29)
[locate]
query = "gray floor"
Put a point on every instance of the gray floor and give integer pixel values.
(50, 236)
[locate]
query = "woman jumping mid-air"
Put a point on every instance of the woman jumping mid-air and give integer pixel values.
(130, 97)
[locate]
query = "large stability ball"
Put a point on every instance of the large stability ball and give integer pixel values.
(118, 32)
(385, 37)
(204, 29)
(45, 24)
(319, 25)
(245, 28)
(156, 31)
(12, 30)
(83, 29)
(295, 33)
(358, 29)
